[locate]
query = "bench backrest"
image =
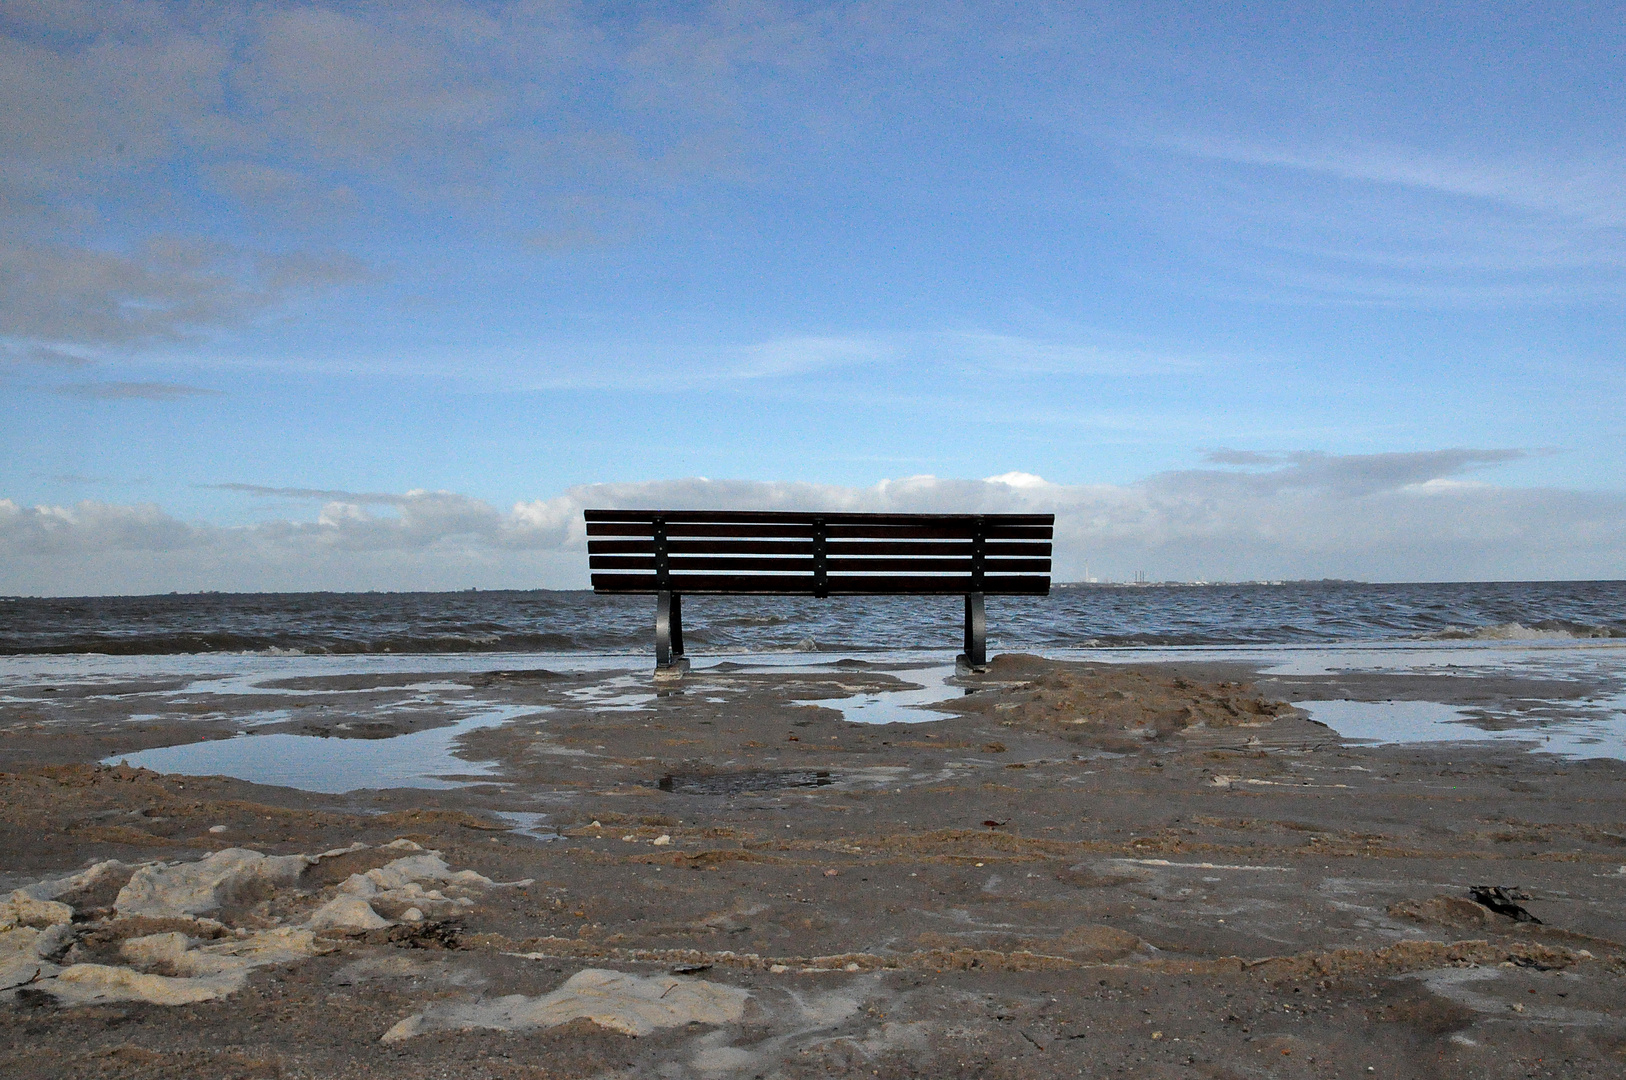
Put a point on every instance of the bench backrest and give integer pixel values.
(796, 554)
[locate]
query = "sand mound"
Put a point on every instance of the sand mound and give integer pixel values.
(610, 999)
(1445, 911)
(1082, 700)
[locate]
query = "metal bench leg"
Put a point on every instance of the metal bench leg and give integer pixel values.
(663, 629)
(976, 633)
(669, 658)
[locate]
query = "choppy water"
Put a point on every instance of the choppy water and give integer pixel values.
(1071, 617)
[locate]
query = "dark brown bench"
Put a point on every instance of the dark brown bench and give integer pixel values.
(737, 553)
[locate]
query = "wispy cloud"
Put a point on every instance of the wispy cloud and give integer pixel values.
(685, 360)
(360, 498)
(1361, 222)
(133, 391)
(790, 356)
(1592, 193)
(44, 356)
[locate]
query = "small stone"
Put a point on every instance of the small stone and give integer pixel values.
(412, 914)
(348, 913)
(832, 873)
(629, 838)
(662, 840)
(217, 829)
(850, 967)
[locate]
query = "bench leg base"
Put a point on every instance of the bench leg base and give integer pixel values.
(672, 672)
(964, 667)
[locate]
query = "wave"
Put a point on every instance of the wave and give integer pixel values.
(190, 643)
(1546, 630)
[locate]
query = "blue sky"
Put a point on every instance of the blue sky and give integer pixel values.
(268, 269)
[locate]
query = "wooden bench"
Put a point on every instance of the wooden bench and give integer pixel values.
(735, 553)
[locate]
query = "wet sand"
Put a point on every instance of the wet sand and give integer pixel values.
(1148, 871)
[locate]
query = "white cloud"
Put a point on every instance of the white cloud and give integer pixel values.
(1402, 516)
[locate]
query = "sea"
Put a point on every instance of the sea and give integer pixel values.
(1072, 617)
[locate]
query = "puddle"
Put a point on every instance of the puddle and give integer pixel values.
(624, 694)
(529, 824)
(422, 759)
(744, 782)
(1388, 722)
(899, 706)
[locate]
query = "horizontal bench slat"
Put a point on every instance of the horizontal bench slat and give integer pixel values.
(804, 564)
(793, 530)
(801, 565)
(601, 546)
(838, 585)
(938, 566)
(807, 517)
(1023, 548)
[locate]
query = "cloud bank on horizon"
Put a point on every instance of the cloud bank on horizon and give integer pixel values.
(1416, 516)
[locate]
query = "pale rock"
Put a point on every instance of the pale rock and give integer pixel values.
(356, 885)
(412, 914)
(51, 888)
(402, 844)
(334, 853)
(54, 939)
(280, 946)
(217, 829)
(612, 999)
(426, 867)
(93, 984)
(161, 890)
(21, 909)
(345, 912)
(283, 945)
(22, 971)
(155, 948)
(22, 955)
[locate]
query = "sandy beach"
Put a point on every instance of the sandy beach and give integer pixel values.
(1079, 869)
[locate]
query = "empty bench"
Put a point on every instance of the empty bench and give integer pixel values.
(670, 553)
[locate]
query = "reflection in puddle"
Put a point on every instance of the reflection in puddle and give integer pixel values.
(1431, 721)
(624, 694)
(528, 824)
(899, 706)
(421, 759)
